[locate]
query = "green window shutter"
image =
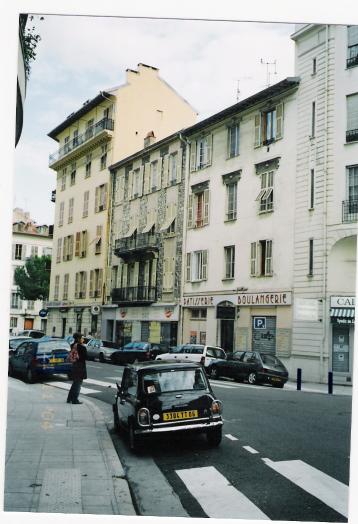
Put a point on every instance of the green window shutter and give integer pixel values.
(279, 120)
(257, 141)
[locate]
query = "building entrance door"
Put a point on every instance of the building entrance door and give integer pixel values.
(28, 323)
(227, 335)
(340, 353)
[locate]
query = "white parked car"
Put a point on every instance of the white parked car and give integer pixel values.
(194, 353)
(33, 333)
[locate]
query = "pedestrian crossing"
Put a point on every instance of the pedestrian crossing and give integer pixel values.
(208, 486)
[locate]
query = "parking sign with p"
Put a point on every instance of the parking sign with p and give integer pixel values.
(259, 322)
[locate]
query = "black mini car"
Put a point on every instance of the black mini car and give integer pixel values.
(164, 397)
(254, 366)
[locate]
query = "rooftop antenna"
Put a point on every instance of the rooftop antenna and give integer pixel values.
(268, 73)
(238, 86)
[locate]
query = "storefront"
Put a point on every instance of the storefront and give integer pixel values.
(342, 314)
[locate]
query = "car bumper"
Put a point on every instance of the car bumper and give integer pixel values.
(272, 379)
(202, 426)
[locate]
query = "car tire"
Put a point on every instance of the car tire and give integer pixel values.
(214, 373)
(252, 378)
(134, 441)
(101, 357)
(30, 376)
(214, 436)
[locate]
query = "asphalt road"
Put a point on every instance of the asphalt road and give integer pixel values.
(284, 456)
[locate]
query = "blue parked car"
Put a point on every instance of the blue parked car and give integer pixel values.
(40, 358)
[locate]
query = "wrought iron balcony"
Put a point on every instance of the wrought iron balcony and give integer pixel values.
(136, 244)
(350, 210)
(134, 295)
(77, 141)
(352, 135)
(353, 60)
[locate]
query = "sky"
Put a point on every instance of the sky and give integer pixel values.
(206, 62)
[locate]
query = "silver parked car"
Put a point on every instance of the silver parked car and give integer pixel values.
(101, 349)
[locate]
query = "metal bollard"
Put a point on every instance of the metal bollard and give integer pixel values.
(299, 379)
(330, 382)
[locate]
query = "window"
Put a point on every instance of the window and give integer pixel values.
(34, 251)
(350, 209)
(201, 152)
(198, 209)
(198, 313)
(265, 196)
(310, 258)
(85, 204)
(311, 189)
(103, 159)
(66, 279)
(168, 273)
(73, 174)
(81, 284)
(229, 254)
(154, 175)
(269, 125)
(68, 248)
(261, 258)
(173, 168)
(88, 165)
(196, 266)
(314, 66)
(66, 147)
(89, 129)
(352, 51)
(313, 120)
(233, 140)
(136, 182)
(98, 240)
(81, 244)
(231, 201)
(352, 118)
(19, 252)
(96, 279)
(59, 250)
(30, 305)
(75, 138)
(47, 251)
(56, 287)
(13, 322)
(70, 210)
(61, 215)
(16, 302)
(101, 198)
(63, 179)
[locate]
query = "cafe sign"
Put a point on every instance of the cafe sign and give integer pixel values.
(343, 301)
(265, 299)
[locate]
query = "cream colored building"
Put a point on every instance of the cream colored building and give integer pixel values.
(238, 244)
(326, 192)
(104, 130)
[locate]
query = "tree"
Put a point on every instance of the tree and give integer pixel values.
(33, 278)
(30, 40)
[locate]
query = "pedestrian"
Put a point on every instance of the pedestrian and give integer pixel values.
(79, 370)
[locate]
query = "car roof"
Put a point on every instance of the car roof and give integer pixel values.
(163, 364)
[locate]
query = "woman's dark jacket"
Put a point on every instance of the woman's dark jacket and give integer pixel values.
(79, 370)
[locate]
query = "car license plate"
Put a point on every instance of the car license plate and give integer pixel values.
(55, 360)
(275, 379)
(179, 415)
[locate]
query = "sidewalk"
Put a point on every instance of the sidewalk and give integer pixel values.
(312, 387)
(60, 457)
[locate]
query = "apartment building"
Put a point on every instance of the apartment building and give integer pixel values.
(238, 242)
(146, 244)
(326, 201)
(29, 239)
(104, 130)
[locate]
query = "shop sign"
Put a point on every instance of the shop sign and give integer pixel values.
(123, 313)
(43, 313)
(343, 301)
(199, 301)
(168, 312)
(259, 322)
(264, 299)
(338, 320)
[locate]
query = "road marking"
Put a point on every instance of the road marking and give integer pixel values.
(234, 385)
(230, 437)
(325, 488)
(250, 449)
(209, 486)
(64, 385)
(99, 383)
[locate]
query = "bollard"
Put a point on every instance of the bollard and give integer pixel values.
(330, 382)
(299, 379)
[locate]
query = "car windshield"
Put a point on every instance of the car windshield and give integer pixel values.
(16, 342)
(270, 360)
(174, 380)
(52, 345)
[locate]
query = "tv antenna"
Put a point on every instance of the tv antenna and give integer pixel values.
(238, 86)
(268, 72)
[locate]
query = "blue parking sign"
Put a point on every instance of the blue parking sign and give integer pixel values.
(260, 322)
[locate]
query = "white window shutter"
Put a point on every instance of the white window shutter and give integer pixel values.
(154, 273)
(279, 120)
(146, 273)
(84, 284)
(257, 141)
(253, 265)
(91, 292)
(130, 185)
(77, 244)
(159, 173)
(136, 274)
(188, 267)
(204, 265)
(165, 272)
(124, 275)
(179, 164)
(100, 282)
(191, 211)
(209, 151)
(96, 203)
(193, 156)
(141, 181)
(77, 284)
(268, 259)
(165, 171)
(146, 184)
(206, 207)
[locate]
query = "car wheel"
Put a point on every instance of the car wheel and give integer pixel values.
(134, 440)
(214, 372)
(214, 436)
(30, 377)
(252, 378)
(101, 357)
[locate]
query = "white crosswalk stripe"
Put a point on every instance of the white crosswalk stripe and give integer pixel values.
(325, 488)
(99, 383)
(208, 486)
(67, 385)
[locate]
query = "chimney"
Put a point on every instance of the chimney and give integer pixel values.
(149, 139)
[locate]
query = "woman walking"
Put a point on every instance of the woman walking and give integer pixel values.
(79, 370)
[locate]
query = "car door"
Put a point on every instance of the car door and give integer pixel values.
(16, 360)
(248, 363)
(127, 398)
(26, 358)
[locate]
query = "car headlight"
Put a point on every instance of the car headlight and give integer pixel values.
(216, 407)
(143, 417)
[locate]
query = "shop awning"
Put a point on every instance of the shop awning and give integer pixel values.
(149, 226)
(130, 231)
(342, 312)
(167, 223)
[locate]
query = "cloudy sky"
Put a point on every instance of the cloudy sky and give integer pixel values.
(205, 61)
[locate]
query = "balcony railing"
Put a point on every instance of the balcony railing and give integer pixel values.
(136, 243)
(353, 59)
(352, 135)
(139, 295)
(350, 210)
(95, 129)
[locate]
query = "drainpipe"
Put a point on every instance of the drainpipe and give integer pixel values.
(186, 192)
(325, 254)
